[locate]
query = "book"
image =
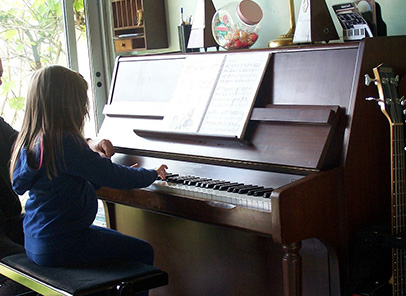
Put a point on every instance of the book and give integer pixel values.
(215, 94)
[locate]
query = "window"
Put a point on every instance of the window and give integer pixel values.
(30, 38)
(37, 33)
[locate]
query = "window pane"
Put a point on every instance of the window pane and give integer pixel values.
(31, 37)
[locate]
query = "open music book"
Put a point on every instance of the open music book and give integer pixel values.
(214, 94)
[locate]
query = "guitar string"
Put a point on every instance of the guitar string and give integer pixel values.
(395, 212)
(401, 151)
(399, 206)
(398, 194)
(399, 185)
(398, 199)
(394, 198)
(399, 202)
(402, 196)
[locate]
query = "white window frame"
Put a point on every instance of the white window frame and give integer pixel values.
(100, 45)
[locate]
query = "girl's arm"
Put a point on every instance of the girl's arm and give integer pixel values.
(80, 160)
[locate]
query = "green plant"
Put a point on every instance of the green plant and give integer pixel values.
(31, 37)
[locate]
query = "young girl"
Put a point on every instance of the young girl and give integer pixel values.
(52, 161)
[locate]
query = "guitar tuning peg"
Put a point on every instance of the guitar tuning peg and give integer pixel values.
(397, 79)
(403, 102)
(372, 99)
(368, 80)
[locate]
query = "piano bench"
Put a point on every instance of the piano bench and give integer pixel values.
(118, 277)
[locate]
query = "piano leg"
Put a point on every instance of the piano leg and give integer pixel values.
(292, 269)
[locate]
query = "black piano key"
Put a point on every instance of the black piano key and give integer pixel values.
(172, 179)
(168, 176)
(260, 192)
(221, 185)
(215, 183)
(248, 188)
(203, 182)
(191, 181)
(176, 180)
(244, 189)
(224, 187)
(182, 179)
(200, 181)
(218, 186)
(197, 181)
(179, 180)
(236, 188)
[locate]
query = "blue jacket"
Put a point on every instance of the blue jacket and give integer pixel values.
(61, 209)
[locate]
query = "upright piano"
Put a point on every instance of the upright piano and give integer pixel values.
(311, 136)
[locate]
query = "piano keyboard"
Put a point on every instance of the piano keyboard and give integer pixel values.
(234, 193)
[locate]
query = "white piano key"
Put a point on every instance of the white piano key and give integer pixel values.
(241, 200)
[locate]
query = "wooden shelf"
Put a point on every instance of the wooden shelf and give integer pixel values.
(145, 19)
(128, 28)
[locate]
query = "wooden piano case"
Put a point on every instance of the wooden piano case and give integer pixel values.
(313, 137)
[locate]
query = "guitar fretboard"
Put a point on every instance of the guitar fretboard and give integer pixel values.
(398, 207)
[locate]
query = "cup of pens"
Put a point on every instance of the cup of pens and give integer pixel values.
(184, 32)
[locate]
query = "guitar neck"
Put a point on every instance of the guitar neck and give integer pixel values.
(398, 179)
(398, 206)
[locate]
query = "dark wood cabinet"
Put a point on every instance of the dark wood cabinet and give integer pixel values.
(139, 25)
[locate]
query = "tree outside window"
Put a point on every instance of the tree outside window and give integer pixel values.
(31, 37)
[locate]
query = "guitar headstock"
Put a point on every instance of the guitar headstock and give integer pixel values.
(389, 101)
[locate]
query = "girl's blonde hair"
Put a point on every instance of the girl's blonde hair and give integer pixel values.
(57, 102)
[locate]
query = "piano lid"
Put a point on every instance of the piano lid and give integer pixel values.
(286, 137)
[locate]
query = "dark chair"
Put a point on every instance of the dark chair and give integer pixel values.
(118, 277)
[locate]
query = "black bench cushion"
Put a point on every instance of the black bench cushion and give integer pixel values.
(93, 277)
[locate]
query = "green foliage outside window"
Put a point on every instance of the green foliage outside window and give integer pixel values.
(31, 37)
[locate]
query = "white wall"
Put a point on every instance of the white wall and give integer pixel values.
(276, 17)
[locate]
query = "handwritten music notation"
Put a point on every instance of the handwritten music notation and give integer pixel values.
(193, 89)
(215, 94)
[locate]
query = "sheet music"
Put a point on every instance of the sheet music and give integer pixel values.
(192, 93)
(215, 94)
(234, 95)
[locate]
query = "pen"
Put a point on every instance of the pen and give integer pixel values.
(181, 16)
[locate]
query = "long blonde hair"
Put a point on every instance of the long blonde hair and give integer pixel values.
(57, 102)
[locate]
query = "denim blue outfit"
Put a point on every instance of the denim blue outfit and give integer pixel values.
(60, 211)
